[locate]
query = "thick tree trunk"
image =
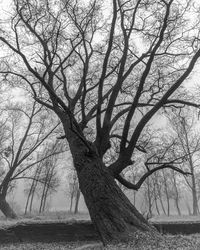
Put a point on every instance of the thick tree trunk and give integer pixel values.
(112, 213)
(6, 209)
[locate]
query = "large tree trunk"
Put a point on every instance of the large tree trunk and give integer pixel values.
(112, 213)
(6, 209)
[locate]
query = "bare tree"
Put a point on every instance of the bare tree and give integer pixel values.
(72, 181)
(95, 72)
(27, 133)
(31, 190)
(74, 191)
(48, 176)
(176, 194)
(148, 198)
(188, 140)
(44, 178)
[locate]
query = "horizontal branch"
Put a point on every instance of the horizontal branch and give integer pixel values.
(136, 186)
(187, 103)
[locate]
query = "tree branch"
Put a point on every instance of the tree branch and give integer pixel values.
(136, 186)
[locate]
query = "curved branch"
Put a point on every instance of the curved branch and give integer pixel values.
(188, 103)
(136, 186)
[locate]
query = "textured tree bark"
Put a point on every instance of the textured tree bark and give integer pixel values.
(6, 209)
(112, 213)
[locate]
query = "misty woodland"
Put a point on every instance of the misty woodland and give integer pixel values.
(111, 89)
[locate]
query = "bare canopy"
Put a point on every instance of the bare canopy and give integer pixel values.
(109, 74)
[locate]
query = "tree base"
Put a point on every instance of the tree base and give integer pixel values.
(7, 210)
(114, 216)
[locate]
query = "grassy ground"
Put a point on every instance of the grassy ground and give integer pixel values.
(58, 216)
(141, 241)
(176, 218)
(167, 242)
(40, 246)
(65, 216)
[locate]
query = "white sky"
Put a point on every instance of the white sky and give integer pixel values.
(4, 8)
(60, 201)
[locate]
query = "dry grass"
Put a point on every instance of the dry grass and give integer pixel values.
(140, 242)
(41, 246)
(176, 218)
(167, 242)
(57, 216)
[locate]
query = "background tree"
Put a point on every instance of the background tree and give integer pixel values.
(186, 132)
(44, 178)
(165, 184)
(95, 71)
(26, 134)
(49, 178)
(74, 191)
(176, 191)
(31, 191)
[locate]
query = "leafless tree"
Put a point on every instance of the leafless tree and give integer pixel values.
(44, 178)
(187, 138)
(74, 191)
(95, 70)
(27, 133)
